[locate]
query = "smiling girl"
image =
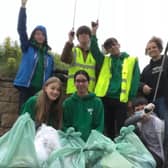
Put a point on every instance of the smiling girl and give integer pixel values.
(45, 107)
(83, 110)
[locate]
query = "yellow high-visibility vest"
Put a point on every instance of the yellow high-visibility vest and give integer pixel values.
(105, 76)
(79, 63)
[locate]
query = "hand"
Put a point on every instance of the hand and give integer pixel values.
(24, 3)
(71, 36)
(149, 108)
(147, 90)
(145, 117)
(95, 26)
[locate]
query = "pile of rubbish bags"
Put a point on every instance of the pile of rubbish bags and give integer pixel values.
(23, 146)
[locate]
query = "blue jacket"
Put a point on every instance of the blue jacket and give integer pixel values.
(29, 58)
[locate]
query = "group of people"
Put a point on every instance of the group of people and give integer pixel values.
(100, 86)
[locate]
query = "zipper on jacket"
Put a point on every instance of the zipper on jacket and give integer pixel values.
(31, 76)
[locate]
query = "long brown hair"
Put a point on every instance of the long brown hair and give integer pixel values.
(45, 109)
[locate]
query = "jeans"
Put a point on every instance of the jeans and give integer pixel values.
(161, 108)
(162, 111)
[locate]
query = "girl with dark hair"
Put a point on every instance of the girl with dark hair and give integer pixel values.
(83, 110)
(45, 107)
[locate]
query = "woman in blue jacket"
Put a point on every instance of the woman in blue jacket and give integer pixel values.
(36, 65)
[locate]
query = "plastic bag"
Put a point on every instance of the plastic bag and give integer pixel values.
(46, 141)
(70, 138)
(17, 145)
(71, 155)
(102, 153)
(130, 146)
(96, 147)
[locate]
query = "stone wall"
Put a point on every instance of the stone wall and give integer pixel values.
(8, 104)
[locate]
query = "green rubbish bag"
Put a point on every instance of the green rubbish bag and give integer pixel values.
(68, 157)
(115, 160)
(130, 146)
(71, 155)
(70, 138)
(102, 153)
(17, 145)
(97, 145)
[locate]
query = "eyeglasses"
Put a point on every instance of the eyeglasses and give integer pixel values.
(81, 80)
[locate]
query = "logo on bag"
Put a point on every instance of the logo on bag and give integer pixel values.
(90, 111)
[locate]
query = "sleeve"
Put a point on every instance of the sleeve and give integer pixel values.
(29, 107)
(67, 54)
(97, 54)
(98, 120)
(132, 120)
(66, 116)
(22, 30)
(135, 81)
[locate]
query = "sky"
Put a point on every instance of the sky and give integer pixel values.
(132, 22)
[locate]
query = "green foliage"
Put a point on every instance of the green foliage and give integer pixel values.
(58, 64)
(10, 68)
(10, 55)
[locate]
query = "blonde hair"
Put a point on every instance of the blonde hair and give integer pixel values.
(45, 109)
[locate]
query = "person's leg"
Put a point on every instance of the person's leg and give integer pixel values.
(161, 109)
(109, 118)
(121, 115)
(162, 112)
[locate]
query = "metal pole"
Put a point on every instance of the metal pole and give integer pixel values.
(74, 16)
(99, 7)
(160, 73)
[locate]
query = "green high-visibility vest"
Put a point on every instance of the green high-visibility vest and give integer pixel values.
(79, 63)
(105, 76)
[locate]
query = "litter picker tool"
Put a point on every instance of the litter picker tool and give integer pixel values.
(74, 17)
(160, 73)
(98, 15)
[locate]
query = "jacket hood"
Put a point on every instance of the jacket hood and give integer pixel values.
(87, 97)
(43, 29)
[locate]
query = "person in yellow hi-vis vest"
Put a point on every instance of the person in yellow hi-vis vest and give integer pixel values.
(79, 57)
(117, 83)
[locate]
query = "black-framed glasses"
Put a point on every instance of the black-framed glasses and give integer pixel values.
(81, 80)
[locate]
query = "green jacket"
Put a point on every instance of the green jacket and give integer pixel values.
(83, 113)
(114, 88)
(30, 107)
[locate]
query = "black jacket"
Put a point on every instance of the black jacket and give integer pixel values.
(149, 76)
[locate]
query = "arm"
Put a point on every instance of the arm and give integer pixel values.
(29, 106)
(98, 120)
(97, 54)
(133, 119)
(67, 54)
(144, 88)
(135, 81)
(22, 27)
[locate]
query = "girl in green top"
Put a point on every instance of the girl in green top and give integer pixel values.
(45, 107)
(83, 110)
